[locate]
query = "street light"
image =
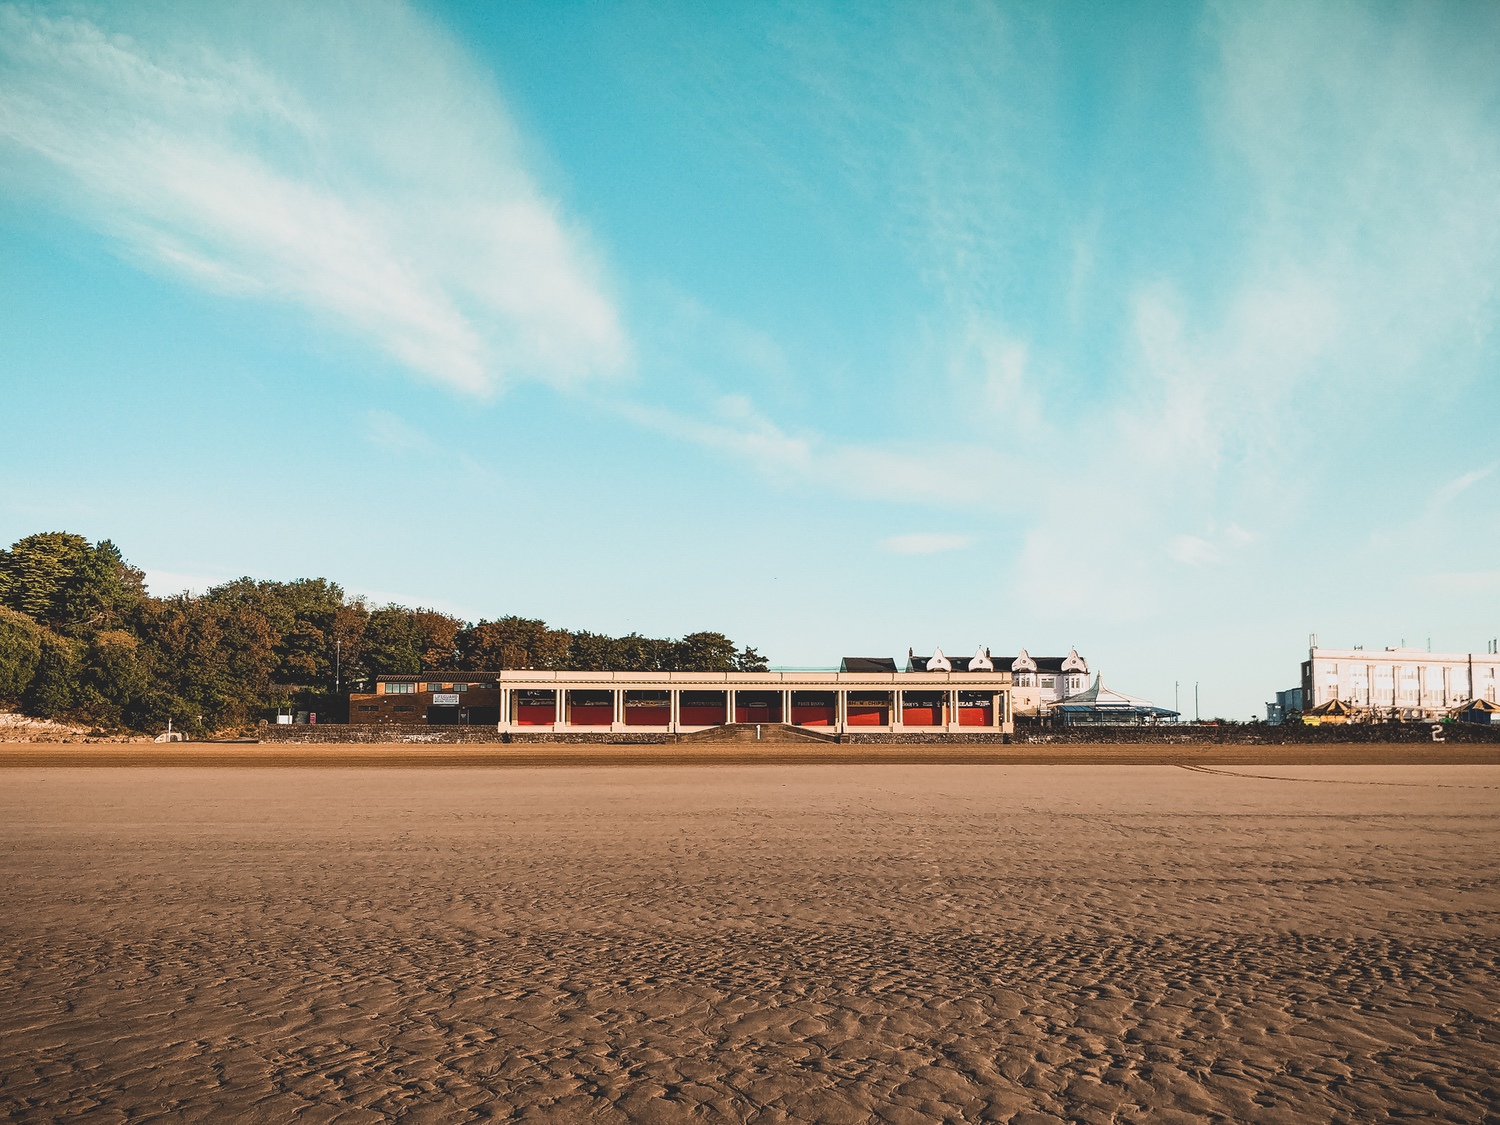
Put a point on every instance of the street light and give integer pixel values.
(338, 652)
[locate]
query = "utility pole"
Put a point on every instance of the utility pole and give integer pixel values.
(1176, 698)
(338, 654)
(1196, 717)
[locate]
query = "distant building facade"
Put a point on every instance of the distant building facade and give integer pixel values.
(435, 699)
(1037, 682)
(1404, 683)
(1287, 702)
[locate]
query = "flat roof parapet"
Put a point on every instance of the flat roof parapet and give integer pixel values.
(536, 675)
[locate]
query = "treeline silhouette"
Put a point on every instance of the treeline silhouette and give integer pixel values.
(81, 639)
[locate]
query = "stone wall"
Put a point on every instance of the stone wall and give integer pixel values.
(324, 733)
(1249, 734)
(1258, 734)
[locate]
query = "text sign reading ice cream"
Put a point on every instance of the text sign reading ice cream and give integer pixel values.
(445, 699)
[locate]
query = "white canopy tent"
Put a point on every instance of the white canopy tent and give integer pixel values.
(1099, 704)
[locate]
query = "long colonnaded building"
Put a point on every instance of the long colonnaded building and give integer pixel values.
(866, 694)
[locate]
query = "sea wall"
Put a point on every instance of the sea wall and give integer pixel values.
(1249, 734)
(1259, 734)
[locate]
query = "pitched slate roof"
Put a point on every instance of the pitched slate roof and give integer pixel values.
(867, 664)
(960, 664)
(1047, 664)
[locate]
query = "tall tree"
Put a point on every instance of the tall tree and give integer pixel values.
(439, 638)
(61, 581)
(20, 648)
(705, 652)
(392, 644)
(513, 642)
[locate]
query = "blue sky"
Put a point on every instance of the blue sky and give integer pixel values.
(1165, 331)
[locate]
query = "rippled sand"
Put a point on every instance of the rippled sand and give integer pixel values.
(804, 943)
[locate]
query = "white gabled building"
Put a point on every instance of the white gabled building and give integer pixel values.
(1037, 682)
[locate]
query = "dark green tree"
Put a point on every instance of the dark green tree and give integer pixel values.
(111, 678)
(513, 642)
(705, 652)
(748, 660)
(54, 687)
(21, 641)
(439, 638)
(60, 581)
(392, 643)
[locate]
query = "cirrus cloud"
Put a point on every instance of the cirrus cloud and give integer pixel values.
(349, 162)
(925, 543)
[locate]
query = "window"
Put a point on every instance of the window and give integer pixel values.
(434, 687)
(460, 687)
(400, 689)
(369, 707)
(403, 707)
(1048, 681)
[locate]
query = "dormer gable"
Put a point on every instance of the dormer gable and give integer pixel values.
(1023, 663)
(980, 661)
(1075, 663)
(937, 662)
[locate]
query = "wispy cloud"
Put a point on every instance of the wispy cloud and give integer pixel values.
(346, 160)
(1456, 487)
(1192, 550)
(944, 476)
(392, 432)
(1359, 298)
(925, 543)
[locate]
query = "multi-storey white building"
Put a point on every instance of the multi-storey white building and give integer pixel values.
(1405, 681)
(1037, 682)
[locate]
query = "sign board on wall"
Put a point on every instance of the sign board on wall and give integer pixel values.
(445, 699)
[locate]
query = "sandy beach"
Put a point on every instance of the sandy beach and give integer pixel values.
(658, 942)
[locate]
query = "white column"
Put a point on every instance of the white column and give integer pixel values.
(729, 705)
(841, 710)
(897, 722)
(786, 707)
(952, 710)
(674, 697)
(559, 707)
(617, 712)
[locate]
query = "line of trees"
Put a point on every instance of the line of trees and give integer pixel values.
(81, 639)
